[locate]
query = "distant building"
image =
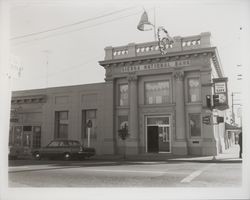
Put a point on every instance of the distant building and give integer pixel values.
(162, 99)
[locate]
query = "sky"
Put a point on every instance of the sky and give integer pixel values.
(70, 55)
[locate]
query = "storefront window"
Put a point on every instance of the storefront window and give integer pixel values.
(195, 125)
(36, 137)
(86, 116)
(194, 90)
(18, 136)
(157, 92)
(123, 95)
(61, 124)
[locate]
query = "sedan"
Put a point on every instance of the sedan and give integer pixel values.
(65, 149)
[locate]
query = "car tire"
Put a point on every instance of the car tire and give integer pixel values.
(37, 156)
(67, 156)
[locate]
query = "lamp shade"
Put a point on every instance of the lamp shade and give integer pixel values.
(144, 24)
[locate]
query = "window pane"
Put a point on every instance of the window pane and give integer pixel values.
(195, 125)
(61, 124)
(157, 92)
(157, 120)
(123, 95)
(18, 136)
(193, 90)
(86, 116)
(122, 121)
(64, 115)
(36, 137)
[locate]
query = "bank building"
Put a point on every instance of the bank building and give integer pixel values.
(163, 100)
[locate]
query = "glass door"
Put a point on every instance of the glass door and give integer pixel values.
(158, 130)
(164, 138)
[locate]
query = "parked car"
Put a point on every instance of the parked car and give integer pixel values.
(15, 151)
(65, 149)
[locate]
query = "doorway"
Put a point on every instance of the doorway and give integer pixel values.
(158, 134)
(153, 144)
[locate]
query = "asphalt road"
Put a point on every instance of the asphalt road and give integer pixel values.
(91, 173)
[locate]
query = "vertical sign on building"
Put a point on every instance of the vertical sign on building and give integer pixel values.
(220, 97)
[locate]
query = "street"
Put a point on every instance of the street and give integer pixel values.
(225, 171)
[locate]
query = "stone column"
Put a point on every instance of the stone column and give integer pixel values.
(180, 144)
(132, 142)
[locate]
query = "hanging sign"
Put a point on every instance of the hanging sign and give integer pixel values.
(220, 97)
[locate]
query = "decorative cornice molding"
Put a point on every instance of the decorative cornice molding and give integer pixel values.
(109, 72)
(178, 75)
(132, 77)
(29, 99)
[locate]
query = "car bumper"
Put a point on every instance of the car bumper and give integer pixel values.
(82, 153)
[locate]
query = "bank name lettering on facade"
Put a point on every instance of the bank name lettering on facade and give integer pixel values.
(162, 65)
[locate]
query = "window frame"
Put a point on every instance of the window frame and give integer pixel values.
(84, 124)
(119, 94)
(168, 96)
(200, 125)
(57, 134)
(189, 99)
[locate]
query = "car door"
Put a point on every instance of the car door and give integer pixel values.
(63, 148)
(75, 146)
(50, 150)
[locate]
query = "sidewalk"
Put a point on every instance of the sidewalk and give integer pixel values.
(231, 154)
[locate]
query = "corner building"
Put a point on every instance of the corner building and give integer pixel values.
(162, 99)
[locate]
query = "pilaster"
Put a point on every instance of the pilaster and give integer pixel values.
(180, 144)
(132, 142)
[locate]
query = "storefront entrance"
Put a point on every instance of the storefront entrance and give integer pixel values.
(158, 134)
(27, 137)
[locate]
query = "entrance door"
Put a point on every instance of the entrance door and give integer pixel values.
(153, 144)
(164, 138)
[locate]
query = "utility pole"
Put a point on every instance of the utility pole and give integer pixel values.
(233, 107)
(47, 52)
(234, 104)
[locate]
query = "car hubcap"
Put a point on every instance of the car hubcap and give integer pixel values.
(37, 155)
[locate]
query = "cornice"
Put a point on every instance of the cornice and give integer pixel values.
(28, 99)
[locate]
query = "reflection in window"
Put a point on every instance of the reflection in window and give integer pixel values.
(193, 90)
(157, 92)
(123, 95)
(195, 125)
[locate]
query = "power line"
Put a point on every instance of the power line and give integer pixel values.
(86, 27)
(69, 25)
